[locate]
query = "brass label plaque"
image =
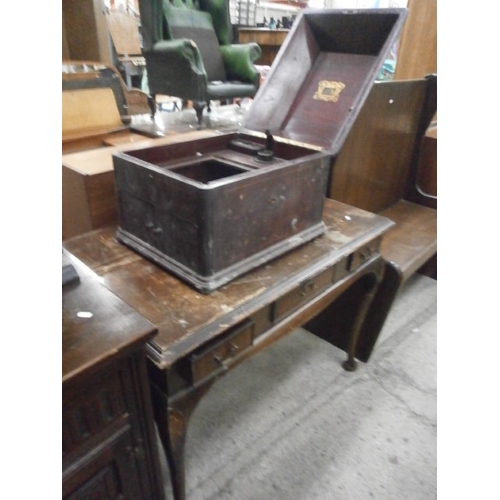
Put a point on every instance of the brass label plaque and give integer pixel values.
(329, 91)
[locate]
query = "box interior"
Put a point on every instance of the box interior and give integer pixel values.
(208, 170)
(209, 160)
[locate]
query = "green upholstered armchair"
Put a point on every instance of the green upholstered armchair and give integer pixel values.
(189, 53)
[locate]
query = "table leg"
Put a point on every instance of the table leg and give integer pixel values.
(172, 418)
(378, 311)
(350, 364)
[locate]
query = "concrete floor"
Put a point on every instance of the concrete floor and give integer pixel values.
(291, 424)
(227, 118)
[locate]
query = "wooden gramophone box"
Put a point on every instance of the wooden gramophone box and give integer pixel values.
(209, 210)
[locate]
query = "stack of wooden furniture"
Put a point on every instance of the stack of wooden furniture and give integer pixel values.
(124, 31)
(386, 166)
(381, 228)
(95, 103)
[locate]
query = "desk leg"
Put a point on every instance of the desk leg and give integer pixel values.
(353, 320)
(378, 311)
(350, 364)
(172, 418)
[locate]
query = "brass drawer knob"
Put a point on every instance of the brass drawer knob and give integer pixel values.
(232, 350)
(306, 287)
(366, 252)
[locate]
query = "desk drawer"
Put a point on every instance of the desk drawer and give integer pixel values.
(362, 255)
(212, 358)
(302, 294)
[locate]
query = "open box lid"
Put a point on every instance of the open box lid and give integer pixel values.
(323, 74)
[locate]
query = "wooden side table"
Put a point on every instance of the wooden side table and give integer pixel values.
(109, 444)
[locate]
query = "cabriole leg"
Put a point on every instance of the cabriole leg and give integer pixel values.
(152, 106)
(350, 364)
(199, 106)
(172, 418)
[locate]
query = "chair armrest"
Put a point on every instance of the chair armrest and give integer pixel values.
(175, 68)
(137, 102)
(181, 51)
(238, 60)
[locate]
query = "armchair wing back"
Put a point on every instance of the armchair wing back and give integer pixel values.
(189, 52)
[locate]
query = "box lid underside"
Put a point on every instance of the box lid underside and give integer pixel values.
(323, 74)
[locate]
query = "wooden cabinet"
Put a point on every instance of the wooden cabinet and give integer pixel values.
(109, 448)
(270, 41)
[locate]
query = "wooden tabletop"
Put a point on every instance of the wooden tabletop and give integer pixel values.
(96, 325)
(186, 318)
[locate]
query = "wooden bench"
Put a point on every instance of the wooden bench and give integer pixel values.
(387, 165)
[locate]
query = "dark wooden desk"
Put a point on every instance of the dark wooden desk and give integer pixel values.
(201, 337)
(109, 443)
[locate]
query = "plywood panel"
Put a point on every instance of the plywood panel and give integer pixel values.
(89, 109)
(124, 31)
(417, 54)
(372, 168)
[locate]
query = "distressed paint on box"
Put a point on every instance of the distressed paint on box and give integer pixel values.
(210, 210)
